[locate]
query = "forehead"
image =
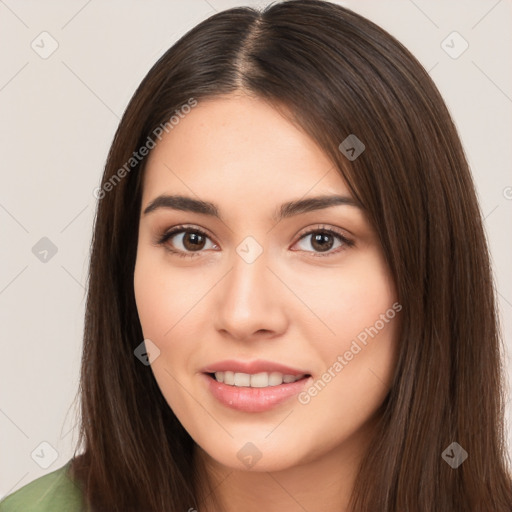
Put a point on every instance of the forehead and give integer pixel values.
(239, 147)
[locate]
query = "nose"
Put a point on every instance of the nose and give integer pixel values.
(252, 301)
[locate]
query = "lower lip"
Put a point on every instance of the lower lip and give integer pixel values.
(248, 399)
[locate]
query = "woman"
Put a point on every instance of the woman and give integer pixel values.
(281, 311)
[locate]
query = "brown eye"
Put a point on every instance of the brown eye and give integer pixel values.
(193, 241)
(185, 241)
(323, 240)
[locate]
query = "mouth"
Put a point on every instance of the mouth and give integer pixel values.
(255, 392)
(253, 386)
(255, 380)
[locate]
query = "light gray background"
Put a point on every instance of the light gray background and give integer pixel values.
(57, 119)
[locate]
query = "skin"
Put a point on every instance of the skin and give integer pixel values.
(294, 304)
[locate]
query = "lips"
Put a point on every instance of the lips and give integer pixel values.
(252, 367)
(253, 399)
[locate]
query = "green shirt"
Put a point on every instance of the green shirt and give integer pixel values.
(53, 492)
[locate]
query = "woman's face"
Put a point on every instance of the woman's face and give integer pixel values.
(262, 291)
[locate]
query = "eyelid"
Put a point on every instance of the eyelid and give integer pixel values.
(323, 227)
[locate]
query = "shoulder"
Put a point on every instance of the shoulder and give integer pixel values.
(54, 492)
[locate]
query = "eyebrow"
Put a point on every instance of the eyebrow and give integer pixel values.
(286, 210)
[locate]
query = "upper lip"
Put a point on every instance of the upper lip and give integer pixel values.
(251, 367)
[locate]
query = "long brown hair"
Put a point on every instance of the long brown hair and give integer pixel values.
(334, 73)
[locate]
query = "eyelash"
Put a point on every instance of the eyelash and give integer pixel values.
(188, 229)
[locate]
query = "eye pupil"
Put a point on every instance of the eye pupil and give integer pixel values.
(319, 241)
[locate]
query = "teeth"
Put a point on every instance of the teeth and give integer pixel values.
(242, 379)
(260, 380)
(257, 380)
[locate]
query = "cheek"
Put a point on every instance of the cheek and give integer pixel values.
(363, 309)
(162, 308)
(361, 319)
(172, 312)
(358, 367)
(163, 295)
(349, 302)
(151, 303)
